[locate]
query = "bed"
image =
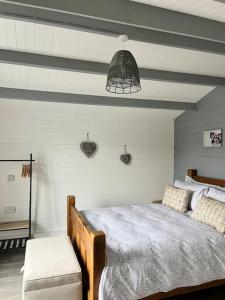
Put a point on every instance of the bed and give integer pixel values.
(101, 263)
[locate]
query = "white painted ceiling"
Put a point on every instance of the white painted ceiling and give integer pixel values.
(209, 9)
(45, 39)
(82, 83)
(63, 42)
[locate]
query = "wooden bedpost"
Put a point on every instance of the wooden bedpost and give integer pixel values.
(192, 173)
(89, 246)
(70, 203)
(99, 259)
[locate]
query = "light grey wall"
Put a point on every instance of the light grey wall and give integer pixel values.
(189, 151)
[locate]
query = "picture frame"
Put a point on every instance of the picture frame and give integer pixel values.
(213, 138)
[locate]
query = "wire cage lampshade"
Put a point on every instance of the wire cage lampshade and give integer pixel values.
(123, 74)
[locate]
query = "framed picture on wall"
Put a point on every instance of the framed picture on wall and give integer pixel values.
(213, 138)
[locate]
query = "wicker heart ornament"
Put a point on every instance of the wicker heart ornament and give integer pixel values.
(126, 157)
(88, 148)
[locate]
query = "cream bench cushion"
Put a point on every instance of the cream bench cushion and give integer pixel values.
(51, 270)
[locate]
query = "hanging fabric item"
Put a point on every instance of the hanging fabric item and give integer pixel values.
(25, 171)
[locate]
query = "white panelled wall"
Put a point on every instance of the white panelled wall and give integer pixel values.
(53, 133)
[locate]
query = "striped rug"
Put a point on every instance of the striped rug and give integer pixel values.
(15, 243)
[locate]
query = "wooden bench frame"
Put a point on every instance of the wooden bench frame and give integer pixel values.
(90, 245)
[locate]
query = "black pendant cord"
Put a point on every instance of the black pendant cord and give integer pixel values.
(125, 149)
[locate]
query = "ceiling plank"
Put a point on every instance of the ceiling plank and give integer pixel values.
(136, 14)
(74, 65)
(33, 95)
(141, 22)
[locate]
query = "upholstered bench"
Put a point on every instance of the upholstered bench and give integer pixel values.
(51, 270)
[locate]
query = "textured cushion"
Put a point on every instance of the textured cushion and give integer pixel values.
(216, 194)
(50, 262)
(176, 198)
(198, 190)
(211, 212)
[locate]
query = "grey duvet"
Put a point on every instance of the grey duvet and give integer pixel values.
(153, 248)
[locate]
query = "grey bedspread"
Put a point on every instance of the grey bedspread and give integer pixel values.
(152, 248)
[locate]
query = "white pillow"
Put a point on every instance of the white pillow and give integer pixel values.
(192, 186)
(197, 189)
(189, 179)
(216, 194)
(196, 197)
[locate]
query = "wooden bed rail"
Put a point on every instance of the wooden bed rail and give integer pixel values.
(193, 173)
(89, 246)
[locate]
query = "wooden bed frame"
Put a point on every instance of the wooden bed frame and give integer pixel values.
(89, 246)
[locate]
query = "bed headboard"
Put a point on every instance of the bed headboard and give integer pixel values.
(193, 173)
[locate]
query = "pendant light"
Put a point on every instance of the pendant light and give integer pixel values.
(123, 74)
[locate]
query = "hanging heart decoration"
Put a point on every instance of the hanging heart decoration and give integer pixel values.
(88, 148)
(126, 157)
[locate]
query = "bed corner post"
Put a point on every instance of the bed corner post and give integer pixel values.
(90, 247)
(70, 204)
(98, 263)
(192, 173)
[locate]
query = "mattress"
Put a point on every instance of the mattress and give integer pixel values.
(153, 248)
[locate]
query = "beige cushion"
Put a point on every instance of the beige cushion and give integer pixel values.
(176, 198)
(211, 212)
(50, 262)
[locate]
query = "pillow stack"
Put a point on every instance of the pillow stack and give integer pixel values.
(206, 201)
(197, 190)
